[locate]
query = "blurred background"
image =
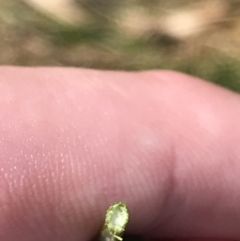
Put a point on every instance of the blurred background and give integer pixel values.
(201, 38)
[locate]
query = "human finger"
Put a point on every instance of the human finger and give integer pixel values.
(74, 141)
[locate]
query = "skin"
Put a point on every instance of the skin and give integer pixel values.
(73, 141)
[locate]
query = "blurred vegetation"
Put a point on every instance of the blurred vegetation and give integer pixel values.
(201, 39)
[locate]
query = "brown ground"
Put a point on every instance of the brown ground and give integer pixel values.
(201, 38)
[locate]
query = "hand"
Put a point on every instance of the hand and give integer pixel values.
(74, 141)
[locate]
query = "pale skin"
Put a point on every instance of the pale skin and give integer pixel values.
(74, 141)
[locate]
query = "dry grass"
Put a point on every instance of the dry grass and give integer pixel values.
(201, 38)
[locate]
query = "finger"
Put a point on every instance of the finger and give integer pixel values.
(74, 141)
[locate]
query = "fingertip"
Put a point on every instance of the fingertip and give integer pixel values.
(153, 139)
